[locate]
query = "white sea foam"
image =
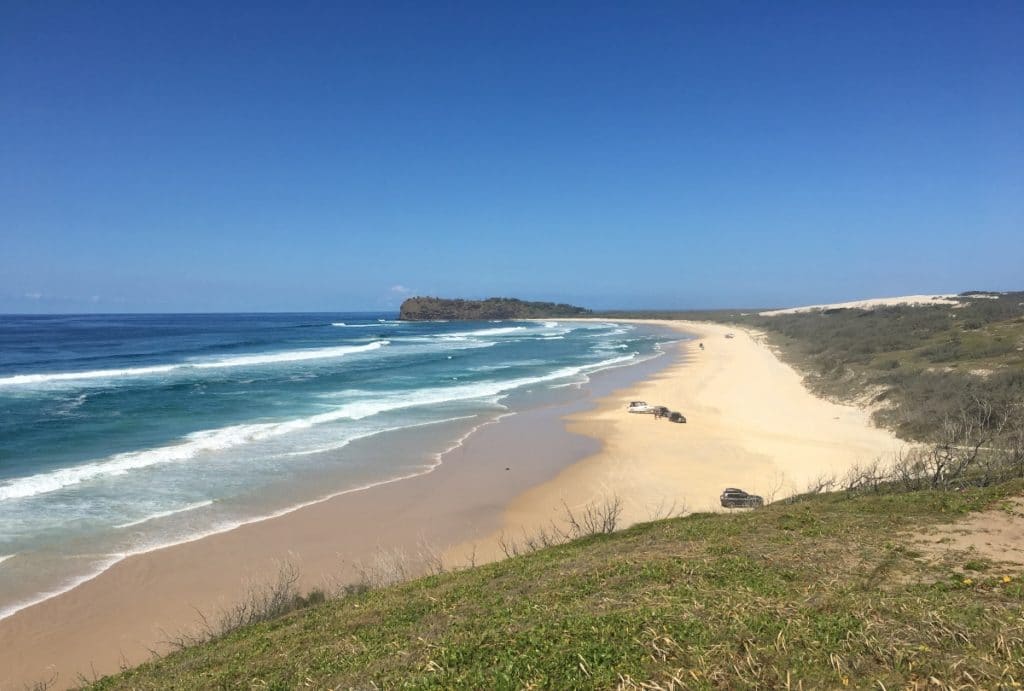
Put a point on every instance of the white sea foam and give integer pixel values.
(290, 356)
(340, 444)
(165, 514)
(469, 339)
(206, 441)
(91, 374)
(449, 342)
(237, 361)
(493, 368)
(69, 406)
(499, 331)
(109, 560)
(5, 557)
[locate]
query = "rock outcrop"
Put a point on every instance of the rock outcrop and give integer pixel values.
(428, 308)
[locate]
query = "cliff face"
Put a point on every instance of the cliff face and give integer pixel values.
(425, 308)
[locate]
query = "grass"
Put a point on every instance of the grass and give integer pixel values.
(821, 593)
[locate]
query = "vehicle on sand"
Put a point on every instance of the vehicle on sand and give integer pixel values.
(676, 417)
(639, 407)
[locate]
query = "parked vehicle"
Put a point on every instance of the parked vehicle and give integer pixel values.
(730, 335)
(639, 407)
(676, 417)
(660, 411)
(735, 498)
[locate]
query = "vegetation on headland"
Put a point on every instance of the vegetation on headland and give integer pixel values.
(430, 308)
(824, 590)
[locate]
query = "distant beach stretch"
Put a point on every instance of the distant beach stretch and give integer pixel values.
(750, 422)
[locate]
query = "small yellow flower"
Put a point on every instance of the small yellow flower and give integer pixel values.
(968, 581)
(1006, 579)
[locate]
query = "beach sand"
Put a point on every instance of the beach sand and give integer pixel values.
(751, 424)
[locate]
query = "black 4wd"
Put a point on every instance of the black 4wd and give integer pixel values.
(733, 498)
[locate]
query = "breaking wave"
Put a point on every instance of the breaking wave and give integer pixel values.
(236, 361)
(165, 514)
(206, 441)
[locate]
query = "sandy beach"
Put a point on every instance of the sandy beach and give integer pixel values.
(751, 424)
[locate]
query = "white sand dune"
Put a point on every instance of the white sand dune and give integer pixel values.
(872, 303)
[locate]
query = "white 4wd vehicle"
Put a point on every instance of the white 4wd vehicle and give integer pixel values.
(639, 407)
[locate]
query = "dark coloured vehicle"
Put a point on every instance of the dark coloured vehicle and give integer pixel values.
(733, 498)
(676, 417)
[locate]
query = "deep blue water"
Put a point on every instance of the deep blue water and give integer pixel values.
(119, 433)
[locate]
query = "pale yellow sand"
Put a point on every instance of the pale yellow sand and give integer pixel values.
(751, 424)
(996, 535)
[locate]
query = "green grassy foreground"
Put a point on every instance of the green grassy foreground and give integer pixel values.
(822, 593)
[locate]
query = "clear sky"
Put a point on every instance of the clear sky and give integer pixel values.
(205, 156)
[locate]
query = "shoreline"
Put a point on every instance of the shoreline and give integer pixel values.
(143, 600)
(115, 559)
(751, 423)
(432, 460)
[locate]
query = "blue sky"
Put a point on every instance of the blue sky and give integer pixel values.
(334, 156)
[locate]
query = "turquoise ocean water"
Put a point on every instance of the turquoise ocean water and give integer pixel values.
(124, 433)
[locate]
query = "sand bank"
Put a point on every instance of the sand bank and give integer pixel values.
(751, 424)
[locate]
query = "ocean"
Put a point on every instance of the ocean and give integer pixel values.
(121, 434)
